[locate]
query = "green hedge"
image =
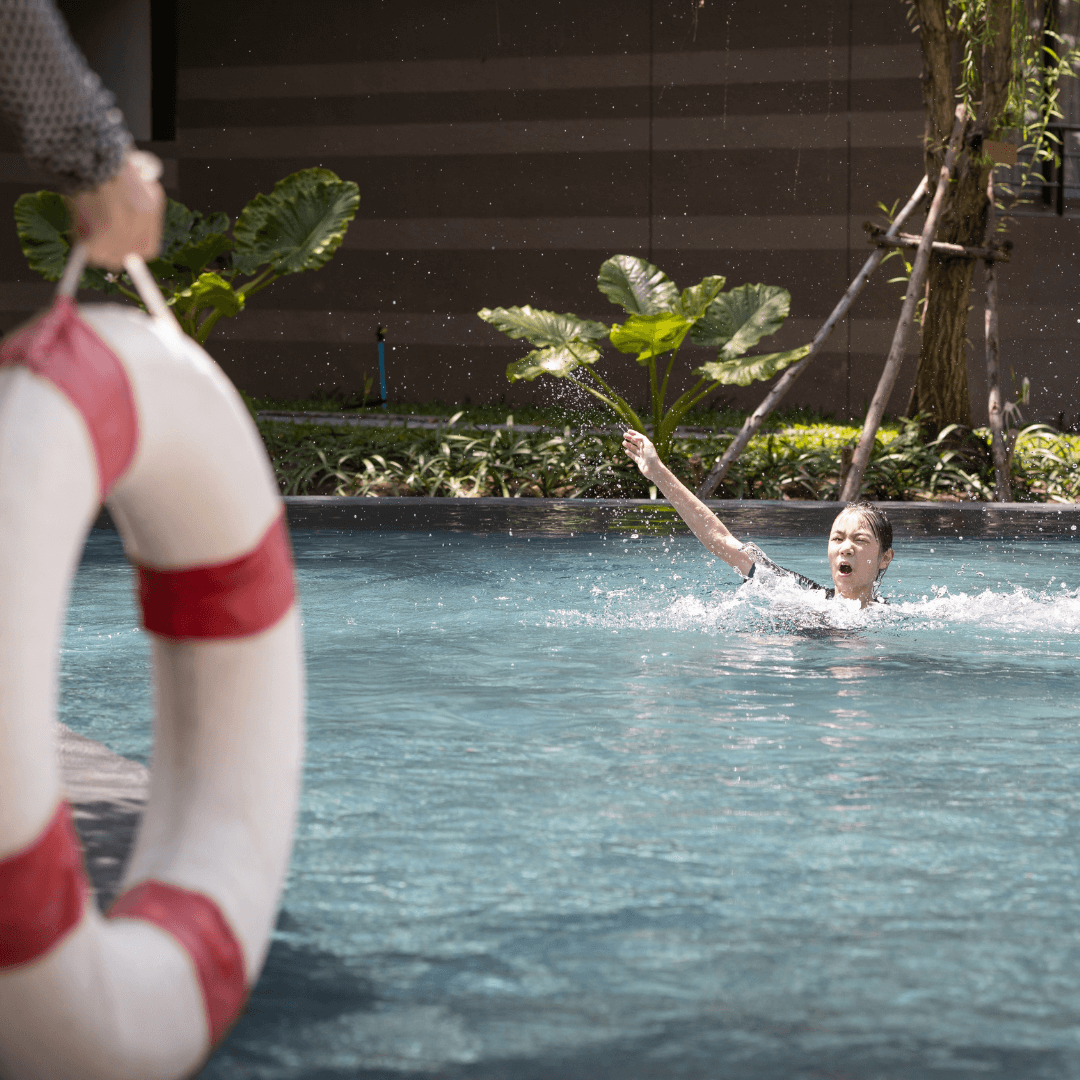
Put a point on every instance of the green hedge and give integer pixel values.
(800, 461)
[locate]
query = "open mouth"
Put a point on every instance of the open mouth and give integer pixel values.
(844, 567)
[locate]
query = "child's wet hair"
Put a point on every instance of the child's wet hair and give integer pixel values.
(876, 519)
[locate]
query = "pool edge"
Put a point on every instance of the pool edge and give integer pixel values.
(757, 517)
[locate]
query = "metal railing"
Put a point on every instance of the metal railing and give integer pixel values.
(1053, 186)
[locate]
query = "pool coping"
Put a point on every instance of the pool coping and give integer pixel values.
(745, 517)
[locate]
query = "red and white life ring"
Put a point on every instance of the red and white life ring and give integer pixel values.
(104, 402)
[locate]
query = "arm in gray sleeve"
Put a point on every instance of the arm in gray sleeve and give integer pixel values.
(67, 121)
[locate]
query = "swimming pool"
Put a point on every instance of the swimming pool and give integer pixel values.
(583, 807)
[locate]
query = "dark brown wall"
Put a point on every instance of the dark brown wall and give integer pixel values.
(504, 150)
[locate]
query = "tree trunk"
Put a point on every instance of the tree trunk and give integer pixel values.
(941, 383)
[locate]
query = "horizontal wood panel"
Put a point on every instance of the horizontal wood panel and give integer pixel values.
(701, 67)
(795, 232)
(750, 99)
(810, 131)
(466, 329)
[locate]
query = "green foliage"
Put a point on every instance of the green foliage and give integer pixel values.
(296, 227)
(209, 290)
(650, 335)
(1038, 59)
(695, 301)
(637, 286)
(659, 320)
(544, 328)
(747, 369)
(565, 340)
(41, 220)
(799, 461)
(557, 360)
(469, 464)
(739, 319)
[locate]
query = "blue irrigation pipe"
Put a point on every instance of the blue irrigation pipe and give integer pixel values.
(380, 337)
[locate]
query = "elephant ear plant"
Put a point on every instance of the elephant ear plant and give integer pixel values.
(659, 319)
(205, 273)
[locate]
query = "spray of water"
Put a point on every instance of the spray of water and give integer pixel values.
(778, 605)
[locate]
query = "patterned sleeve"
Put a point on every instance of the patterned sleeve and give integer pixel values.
(764, 563)
(67, 122)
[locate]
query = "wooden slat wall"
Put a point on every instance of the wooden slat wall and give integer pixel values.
(502, 154)
(504, 150)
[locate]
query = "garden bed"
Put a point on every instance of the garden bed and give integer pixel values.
(795, 460)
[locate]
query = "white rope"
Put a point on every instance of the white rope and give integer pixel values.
(148, 290)
(69, 281)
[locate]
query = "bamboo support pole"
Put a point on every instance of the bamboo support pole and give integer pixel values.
(957, 251)
(1003, 489)
(787, 380)
(853, 483)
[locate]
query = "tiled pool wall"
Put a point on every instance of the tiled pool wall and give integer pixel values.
(745, 517)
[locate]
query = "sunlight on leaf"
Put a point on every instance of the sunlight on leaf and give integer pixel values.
(210, 290)
(650, 335)
(543, 328)
(748, 369)
(737, 320)
(557, 360)
(695, 301)
(298, 226)
(637, 286)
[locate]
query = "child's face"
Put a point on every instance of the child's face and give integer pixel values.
(855, 556)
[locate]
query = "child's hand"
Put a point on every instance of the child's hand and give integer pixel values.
(640, 450)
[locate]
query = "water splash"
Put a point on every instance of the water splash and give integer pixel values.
(1022, 610)
(779, 605)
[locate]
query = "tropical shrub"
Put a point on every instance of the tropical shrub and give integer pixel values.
(801, 461)
(659, 319)
(209, 265)
(459, 464)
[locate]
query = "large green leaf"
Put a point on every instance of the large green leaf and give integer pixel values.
(650, 335)
(195, 255)
(189, 241)
(209, 291)
(637, 286)
(695, 301)
(747, 369)
(298, 226)
(206, 225)
(543, 328)
(737, 320)
(41, 220)
(176, 227)
(557, 360)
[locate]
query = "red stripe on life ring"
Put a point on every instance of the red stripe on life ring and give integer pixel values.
(227, 600)
(198, 924)
(42, 892)
(60, 347)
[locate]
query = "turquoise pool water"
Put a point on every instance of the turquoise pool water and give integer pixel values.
(587, 808)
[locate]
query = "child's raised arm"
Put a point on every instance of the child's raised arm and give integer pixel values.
(704, 524)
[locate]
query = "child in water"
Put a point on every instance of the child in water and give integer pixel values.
(860, 543)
